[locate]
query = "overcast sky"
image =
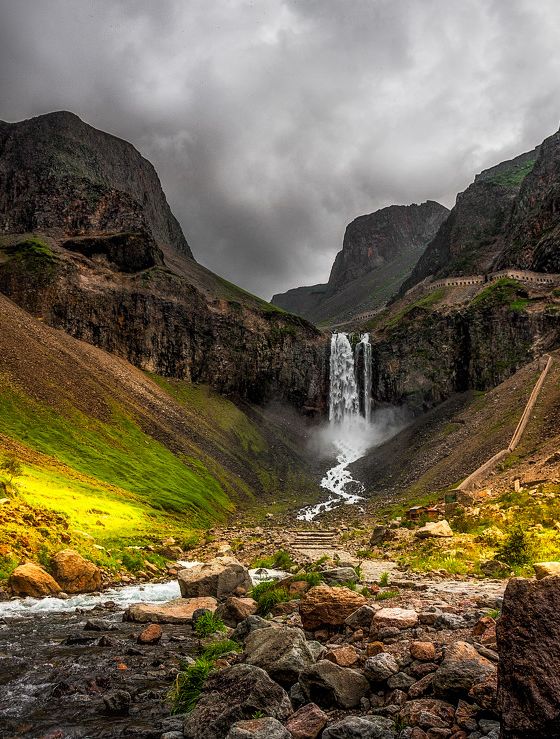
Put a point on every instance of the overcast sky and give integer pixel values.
(273, 123)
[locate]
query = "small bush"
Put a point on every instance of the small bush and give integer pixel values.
(267, 595)
(188, 685)
(133, 561)
(384, 579)
(280, 560)
(219, 648)
(313, 578)
(208, 624)
(516, 548)
(387, 594)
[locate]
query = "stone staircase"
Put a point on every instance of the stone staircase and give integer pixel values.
(314, 539)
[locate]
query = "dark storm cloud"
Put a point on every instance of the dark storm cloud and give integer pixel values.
(273, 123)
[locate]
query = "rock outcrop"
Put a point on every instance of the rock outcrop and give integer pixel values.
(528, 634)
(59, 175)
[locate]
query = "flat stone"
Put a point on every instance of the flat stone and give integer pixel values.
(361, 727)
(546, 569)
(400, 618)
(178, 611)
(344, 656)
(259, 728)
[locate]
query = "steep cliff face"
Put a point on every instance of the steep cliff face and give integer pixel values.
(430, 352)
(58, 175)
(375, 239)
(532, 236)
(88, 243)
(378, 252)
(469, 240)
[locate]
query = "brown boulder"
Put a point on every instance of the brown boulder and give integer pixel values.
(528, 635)
(326, 606)
(461, 669)
(30, 579)
(307, 723)
(150, 635)
(178, 611)
(344, 656)
(424, 651)
(74, 573)
(234, 610)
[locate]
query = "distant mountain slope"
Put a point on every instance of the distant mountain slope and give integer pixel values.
(58, 174)
(378, 252)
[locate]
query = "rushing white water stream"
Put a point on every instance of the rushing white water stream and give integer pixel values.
(348, 426)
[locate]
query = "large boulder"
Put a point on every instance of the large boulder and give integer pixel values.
(325, 606)
(283, 653)
(361, 727)
(74, 573)
(235, 694)
(528, 634)
(428, 713)
(435, 530)
(30, 579)
(339, 575)
(219, 578)
(328, 684)
(178, 611)
(461, 669)
(259, 728)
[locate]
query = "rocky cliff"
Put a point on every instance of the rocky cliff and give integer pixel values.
(90, 246)
(378, 252)
(469, 240)
(532, 237)
(58, 175)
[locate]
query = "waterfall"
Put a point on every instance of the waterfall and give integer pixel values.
(348, 428)
(365, 347)
(343, 396)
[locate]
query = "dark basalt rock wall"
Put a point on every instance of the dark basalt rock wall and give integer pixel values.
(59, 175)
(162, 324)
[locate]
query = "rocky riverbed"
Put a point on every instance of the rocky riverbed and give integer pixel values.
(413, 659)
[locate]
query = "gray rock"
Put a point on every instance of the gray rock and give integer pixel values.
(450, 621)
(259, 728)
(317, 649)
(283, 653)
(249, 625)
(219, 578)
(487, 726)
(232, 695)
(358, 727)
(339, 575)
(380, 667)
(462, 667)
(328, 684)
(117, 702)
(172, 735)
(400, 681)
(297, 696)
(361, 618)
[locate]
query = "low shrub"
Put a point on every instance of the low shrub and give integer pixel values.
(188, 685)
(208, 624)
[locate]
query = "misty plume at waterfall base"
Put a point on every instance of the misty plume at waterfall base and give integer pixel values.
(353, 427)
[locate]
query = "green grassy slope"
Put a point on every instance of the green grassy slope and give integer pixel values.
(123, 457)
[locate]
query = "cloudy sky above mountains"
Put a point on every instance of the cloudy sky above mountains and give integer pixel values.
(273, 123)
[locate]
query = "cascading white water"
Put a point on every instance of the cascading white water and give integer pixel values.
(366, 349)
(348, 428)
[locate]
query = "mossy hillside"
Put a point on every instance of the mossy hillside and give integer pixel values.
(114, 484)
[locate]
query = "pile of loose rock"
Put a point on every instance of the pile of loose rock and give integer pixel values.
(337, 664)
